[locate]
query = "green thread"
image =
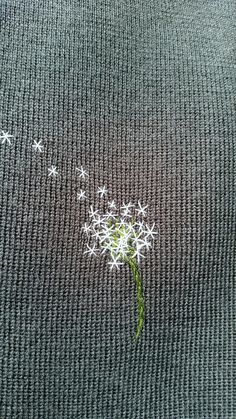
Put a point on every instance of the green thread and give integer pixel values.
(131, 261)
(138, 280)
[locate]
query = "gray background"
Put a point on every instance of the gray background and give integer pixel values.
(142, 94)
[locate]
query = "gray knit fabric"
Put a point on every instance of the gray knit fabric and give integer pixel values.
(142, 95)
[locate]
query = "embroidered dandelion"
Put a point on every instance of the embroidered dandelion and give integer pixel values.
(124, 239)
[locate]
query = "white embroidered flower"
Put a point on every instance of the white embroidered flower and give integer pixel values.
(124, 238)
(120, 237)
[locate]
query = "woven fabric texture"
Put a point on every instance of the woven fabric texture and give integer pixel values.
(141, 94)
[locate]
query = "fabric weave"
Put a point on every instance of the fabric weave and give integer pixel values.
(141, 94)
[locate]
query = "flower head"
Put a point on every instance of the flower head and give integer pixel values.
(125, 238)
(120, 234)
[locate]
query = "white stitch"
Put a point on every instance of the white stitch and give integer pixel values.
(103, 191)
(126, 207)
(92, 250)
(37, 146)
(6, 137)
(83, 172)
(81, 195)
(115, 263)
(112, 204)
(141, 210)
(53, 171)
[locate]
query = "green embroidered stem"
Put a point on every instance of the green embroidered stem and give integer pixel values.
(119, 232)
(138, 280)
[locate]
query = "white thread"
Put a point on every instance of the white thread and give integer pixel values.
(53, 171)
(5, 137)
(37, 146)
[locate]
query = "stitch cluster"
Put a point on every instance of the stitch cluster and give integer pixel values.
(119, 233)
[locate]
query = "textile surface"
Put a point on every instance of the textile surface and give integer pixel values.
(141, 94)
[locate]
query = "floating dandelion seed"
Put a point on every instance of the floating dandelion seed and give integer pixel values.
(6, 138)
(112, 204)
(81, 195)
(53, 171)
(82, 172)
(86, 228)
(37, 146)
(102, 191)
(91, 250)
(141, 210)
(92, 213)
(126, 207)
(124, 240)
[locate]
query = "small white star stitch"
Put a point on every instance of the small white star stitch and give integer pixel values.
(110, 215)
(81, 195)
(6, 138)
(149, 231)
(99, 220)
(52, 171)
(115, 264)
(37, 146)
(83, 172)
(86, 228)
(126, 213)
(140, 225)
(96, 235)
(126, 207)
(126, 210)
(141, 210)
(91, 250)
(92, 213)
(103, 191)
(112, 205)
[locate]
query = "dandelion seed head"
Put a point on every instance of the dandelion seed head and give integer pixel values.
(121, 235)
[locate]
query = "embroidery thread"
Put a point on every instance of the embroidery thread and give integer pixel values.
(6, 138)
(82, 172)
(37, 146)
(124, 239)
(52, 171)
(81, 195)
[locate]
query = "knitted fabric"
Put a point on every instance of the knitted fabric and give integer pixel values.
(141, 94)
